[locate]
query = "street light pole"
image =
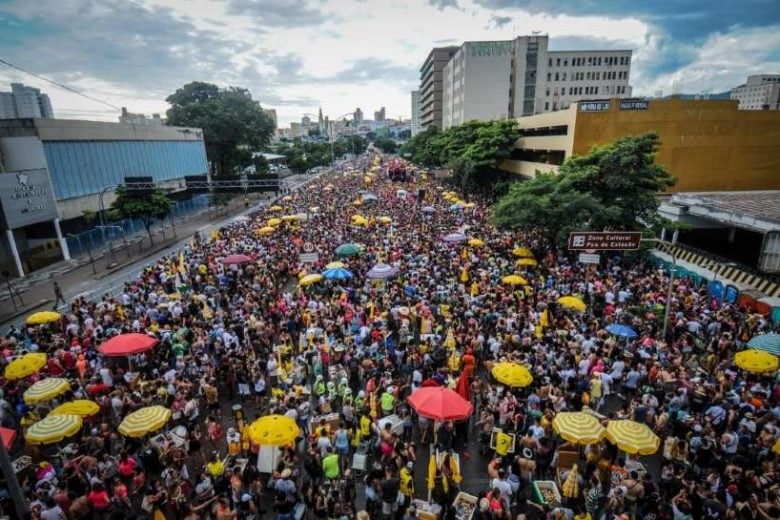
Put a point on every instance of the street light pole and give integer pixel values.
(106, 240)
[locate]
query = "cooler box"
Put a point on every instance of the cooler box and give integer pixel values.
(546, 493)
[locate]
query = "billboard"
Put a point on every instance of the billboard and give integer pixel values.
(26, 197)
(604, 240)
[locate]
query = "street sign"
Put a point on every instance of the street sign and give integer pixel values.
(605, 240)
(308, 258)
(587, 258)
(308, 247)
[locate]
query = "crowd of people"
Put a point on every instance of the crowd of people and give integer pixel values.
(353, 349)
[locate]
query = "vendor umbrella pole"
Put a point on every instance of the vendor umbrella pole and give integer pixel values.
(20, 504)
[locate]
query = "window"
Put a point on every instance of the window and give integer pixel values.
(549, 75)
(565, 63)
(590, 58)
(556, 76)
(547, 92)
(555, 106)
(549, 62)
(563, 91)
(564, 76)
(558, 62)
(547, 106)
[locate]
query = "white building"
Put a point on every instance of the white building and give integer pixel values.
(416, 113)
(761, 92)
(24, 102)
(129, 118)
(520, 77)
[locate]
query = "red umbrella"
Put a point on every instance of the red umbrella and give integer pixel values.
(236, 259)
(7, 435)
(441, 404)
(127, 344)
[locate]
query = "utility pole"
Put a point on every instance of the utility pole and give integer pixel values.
(106, 239)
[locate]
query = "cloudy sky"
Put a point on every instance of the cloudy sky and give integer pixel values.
(298, 55)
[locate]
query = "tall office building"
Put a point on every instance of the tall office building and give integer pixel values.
(379, 115)
(357, 116)
(431, 85)
(520, 77)
(761, 92)
(24, 102)
(416, 126)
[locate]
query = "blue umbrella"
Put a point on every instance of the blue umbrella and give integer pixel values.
(338, 273)
(623, 331)
(766, 343)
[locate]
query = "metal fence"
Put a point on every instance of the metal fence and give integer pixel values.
(92, 240)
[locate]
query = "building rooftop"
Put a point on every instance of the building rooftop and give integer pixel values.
(757, 210)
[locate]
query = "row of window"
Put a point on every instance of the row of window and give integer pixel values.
(578, 91)
(589, 76)
(80, 168)
(592, 61)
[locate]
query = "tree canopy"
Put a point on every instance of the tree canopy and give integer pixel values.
(614, 187)
(144, 206)
(304, 155)
(229, 117)
(472, 150)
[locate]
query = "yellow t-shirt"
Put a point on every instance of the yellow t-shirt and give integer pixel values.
(365, 426)
(503, 443)
(215, 468)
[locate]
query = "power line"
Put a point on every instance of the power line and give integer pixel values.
(70, 89)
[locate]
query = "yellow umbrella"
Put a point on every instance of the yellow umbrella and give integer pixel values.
(578, 427)
(25, 365)
(522, 252)
(274, 221)
(358, 203)
(514, 279)
(266, 230)
(572, 302)
(46, 389)
(144, 421)
(39, 318)
(632, 437)
(512, 374)
(335, 265)
(385, 220)
(357, 216)
(273, 430)
(571, 488)
(432, 471)
(287, 198)
(475, 242)
(527, 262)
(53, 428)
(469, 205)
(80, 407)
(361, 221)
(310, 279)
(289, 218)
(756, 361)
(276, 208)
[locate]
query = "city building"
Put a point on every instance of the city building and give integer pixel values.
(24, 102)
(379, 115)
(416, 119)
(358, 115)
(129, 118)
(431, 85)
(272, 112)
(708, 145)
(514, 78)
(54, 169)
(761, 92)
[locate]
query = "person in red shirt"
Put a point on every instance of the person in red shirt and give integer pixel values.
(98, 497)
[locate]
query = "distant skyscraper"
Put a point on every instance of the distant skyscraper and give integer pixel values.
(272, 112)
(358, 115)
(431, 80)
(24, 102)
(416, 114)
(379, 115)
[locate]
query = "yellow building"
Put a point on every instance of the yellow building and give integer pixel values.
(708, 145)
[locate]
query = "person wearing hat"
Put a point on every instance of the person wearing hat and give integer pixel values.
(387, 401)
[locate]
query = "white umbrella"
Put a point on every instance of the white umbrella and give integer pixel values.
(454, 238)
(382, 271)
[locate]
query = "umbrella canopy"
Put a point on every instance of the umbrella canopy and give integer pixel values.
(622, 331)
(143, 421)
(287, 198)
(571, 488)
(756, 361)
(273, 430)
(276, 208)
(335, 265)
(289, 218)
(454, 238)
(428, 209)
(632, 437)
(8, 436)
(522, 252)
(266, 230)
(475, 242)
(310, 279)
(274, 221)
(578, 427)
(80, 407)
(236, 259)
(46, 389)
(512, 374)
(385, 220)
(53, 428)
(439, 403)
(766, 343)
(25, 365)
(348, 249)
(369, 197)
(572, 302)
(39, 318)
(127, 344)
(381, 271)
(514, 279)
(527, 262)
(359, 221)
(339, 273)
(457, 206)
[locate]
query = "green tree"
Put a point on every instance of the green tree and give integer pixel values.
(261, 165)
(146, 207)
(614, 187)
(386, 144)
(229, 118)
